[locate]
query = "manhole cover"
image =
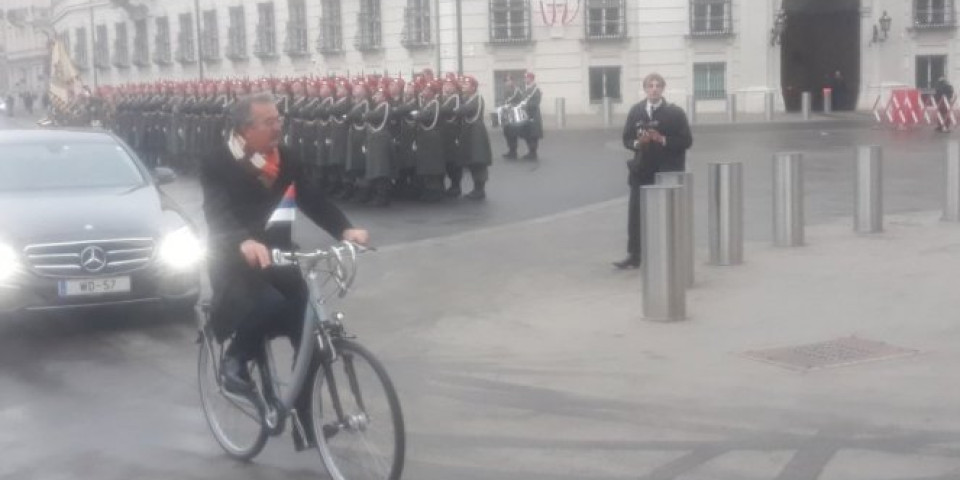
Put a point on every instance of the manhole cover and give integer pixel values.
(833, 353)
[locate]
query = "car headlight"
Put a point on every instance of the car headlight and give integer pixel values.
(9, 262)
(181, 249)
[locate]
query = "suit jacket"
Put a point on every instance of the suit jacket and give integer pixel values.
(237, 206)
(671, 122)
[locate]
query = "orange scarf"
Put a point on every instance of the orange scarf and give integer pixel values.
(271, 169)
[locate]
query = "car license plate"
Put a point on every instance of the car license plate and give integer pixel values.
(94, 286)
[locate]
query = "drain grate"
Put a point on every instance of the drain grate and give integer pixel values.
(833, 353)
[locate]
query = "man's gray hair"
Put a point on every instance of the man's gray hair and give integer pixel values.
(241, 113)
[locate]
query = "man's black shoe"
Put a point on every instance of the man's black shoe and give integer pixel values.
(529, 156)
(476, 194)
(235, 376)
(510, 155)
(629, 262)
(453, 192)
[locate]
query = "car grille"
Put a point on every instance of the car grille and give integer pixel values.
(63, 259)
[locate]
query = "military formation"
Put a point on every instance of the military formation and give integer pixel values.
(369, 139)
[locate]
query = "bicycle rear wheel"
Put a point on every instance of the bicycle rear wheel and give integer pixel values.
(357, 417)
(234, 420)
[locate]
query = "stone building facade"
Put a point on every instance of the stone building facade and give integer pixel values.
(581, 50)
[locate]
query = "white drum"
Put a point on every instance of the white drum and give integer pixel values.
(517, 116)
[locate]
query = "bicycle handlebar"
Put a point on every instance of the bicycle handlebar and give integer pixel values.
(341, 259)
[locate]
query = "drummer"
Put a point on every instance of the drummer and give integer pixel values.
(510, 131)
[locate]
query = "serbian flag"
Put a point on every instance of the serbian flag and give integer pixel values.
(286, 211)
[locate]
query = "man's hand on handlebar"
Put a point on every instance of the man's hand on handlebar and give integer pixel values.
(255, 253)
(356, 235)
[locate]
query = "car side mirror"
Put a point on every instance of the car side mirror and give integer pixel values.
(164, 175)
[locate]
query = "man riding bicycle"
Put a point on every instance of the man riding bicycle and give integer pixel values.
(243, 181)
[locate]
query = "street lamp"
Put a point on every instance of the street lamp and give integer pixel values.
(779, 25)
(880, 34)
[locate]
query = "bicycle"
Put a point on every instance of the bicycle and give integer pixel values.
(344, 419)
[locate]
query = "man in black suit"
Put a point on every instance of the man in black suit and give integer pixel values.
(243, 180)
(658, 134)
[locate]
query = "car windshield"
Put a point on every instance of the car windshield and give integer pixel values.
(63, 165)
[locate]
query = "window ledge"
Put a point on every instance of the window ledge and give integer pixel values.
(511, 43)
(237, 57)
(330, 51)
(606, 39)
(710, 35)
(417, 45)
(369, 49)
(932, 27)
(298, 53)
(266, 55)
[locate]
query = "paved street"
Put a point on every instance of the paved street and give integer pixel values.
(520, 354)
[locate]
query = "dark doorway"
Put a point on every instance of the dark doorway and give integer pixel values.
(821, 37)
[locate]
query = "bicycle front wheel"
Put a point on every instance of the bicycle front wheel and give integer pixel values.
(357, 417)
(234, 420)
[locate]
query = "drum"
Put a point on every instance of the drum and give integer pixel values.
(517, 116)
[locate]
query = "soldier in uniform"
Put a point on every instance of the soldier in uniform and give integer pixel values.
(324, 135)
(356, 161)
(533, 128)
(379, 149)
(450, 133)
(474, 144)
(403, 98)
(510, 131)
(428, 145)
(339, 138)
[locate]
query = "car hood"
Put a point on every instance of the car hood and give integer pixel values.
(73, 215)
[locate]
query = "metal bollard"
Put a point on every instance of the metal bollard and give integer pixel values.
(731, 107)
(951, 194)
(768, 106)
(664, 295)
(561, 111)
(691, 109)
(827, 100)
(868, 216)
(725, 199)
(788, 199)
(685, 181)
(607, 111)
(805, 105)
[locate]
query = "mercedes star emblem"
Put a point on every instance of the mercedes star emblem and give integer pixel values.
(93, 259)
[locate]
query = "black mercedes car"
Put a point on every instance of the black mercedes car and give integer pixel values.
(83, 223)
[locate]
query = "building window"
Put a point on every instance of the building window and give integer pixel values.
(297, 38)
(416, 23)
(121, 46)
(141, 47)
(237, 35)
(368, 26)
(605, 19)
(266, 44)
(710, 18)
(934, 14)
(64, 38)
(210, 39)
(186, 49)
(101, 49)
(500, 77)
(510, 21)
(80, 58)
(161, 50)
(331, 35)
(709, 81)
(604, 82)
(929, 70)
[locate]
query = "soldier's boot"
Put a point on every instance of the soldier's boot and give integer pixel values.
(381, 195)
(479, 191)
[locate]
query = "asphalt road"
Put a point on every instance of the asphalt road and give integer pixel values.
(112, 395)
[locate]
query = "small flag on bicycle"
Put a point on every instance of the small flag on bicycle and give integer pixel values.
(286, 211)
